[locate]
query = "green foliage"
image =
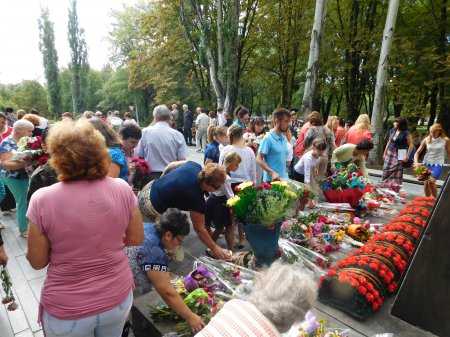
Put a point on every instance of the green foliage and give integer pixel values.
(79, 63)
(164, 53)
(25, 95)
(50, 61)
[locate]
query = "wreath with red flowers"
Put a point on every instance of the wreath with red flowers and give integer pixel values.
(403, 227)
(374, 270)
(407, 218)
(396, 238)
(367, 297)
(378, 268)
(416, 211)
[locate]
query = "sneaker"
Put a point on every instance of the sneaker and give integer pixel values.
(3, 226)
(198, 151)
(24, 234)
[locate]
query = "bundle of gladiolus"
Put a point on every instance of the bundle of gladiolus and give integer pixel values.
(359, 283)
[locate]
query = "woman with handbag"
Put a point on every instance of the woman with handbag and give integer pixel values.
(436, 146)
(396, 153)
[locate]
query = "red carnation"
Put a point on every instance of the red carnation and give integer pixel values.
(354, 283)
(373, 266)
(362, 290)
(266, 186)
(369, 297)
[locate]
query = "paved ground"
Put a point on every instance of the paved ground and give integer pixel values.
(28, 282)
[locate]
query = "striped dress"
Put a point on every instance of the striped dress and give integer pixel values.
(239, 319)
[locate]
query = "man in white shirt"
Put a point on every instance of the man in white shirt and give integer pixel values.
(160, 144)
(115, 121)
(221, 117)
(202, 123)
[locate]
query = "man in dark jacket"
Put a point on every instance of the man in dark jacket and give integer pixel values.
(187, 124)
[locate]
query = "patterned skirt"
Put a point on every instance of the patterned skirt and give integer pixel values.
(393, 168)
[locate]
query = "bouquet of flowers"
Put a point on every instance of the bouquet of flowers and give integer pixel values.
(315, 231)
(293, 253)
(265, 204)
(31, 148)
(422, 172)
(345, 185)
(200, 293)
(312, 327)
(7, 289)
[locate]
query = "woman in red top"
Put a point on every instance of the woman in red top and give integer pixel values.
(359, 132)
(5, 130)
(334, 124)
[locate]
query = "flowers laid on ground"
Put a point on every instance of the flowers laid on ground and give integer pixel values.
(264, 204)
(199, 292)
(315, 231)
(359, 283)
(326, 233)
(312, 327)
(358, 230)
(7, 289)
(205, 290)
(422, 172)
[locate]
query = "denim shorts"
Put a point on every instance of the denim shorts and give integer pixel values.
(106, 324)
(436, 170)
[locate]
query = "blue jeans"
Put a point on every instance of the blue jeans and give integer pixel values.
(19, 189)
(106, 324)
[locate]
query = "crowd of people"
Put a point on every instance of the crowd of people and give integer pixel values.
(111, 204)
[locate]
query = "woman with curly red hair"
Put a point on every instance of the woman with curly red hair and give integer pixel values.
(78, 228)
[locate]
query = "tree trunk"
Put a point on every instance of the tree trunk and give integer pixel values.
(433, 106)
(232, 68)
(313, 60)
(380, 87)
(444, 104)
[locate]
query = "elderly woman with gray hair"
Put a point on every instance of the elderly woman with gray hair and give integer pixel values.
(13, 170)
(281, 296)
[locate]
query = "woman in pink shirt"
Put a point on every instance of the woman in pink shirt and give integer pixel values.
(359, 132)
(79, 228)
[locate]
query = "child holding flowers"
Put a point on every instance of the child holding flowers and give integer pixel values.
(217, 212)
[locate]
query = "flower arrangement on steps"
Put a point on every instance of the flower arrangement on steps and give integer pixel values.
(360, 283)
(261, 209)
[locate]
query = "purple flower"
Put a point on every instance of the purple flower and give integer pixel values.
(203, 271)
(317, 228)
(189, 283)
(310, 324)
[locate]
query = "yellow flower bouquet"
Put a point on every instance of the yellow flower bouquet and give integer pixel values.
(264, 204)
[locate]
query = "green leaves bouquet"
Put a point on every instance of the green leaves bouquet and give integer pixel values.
(264, 204)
